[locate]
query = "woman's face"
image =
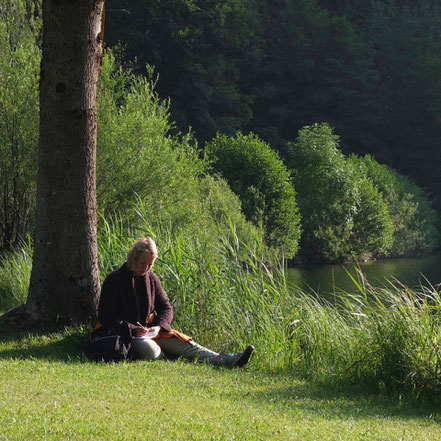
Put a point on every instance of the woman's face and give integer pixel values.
(143, 265)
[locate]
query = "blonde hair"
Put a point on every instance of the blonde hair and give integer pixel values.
(141, 246)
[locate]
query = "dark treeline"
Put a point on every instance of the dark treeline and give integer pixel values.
(370, 68)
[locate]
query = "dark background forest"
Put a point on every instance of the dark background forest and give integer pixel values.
(369, 68)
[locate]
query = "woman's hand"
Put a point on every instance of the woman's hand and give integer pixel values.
(155, 329)
(142, 331)
(139, 331)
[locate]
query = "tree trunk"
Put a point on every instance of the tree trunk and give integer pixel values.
(64, 282)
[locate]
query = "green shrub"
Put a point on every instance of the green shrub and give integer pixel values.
(372, 233)
(414, 220)
(224, 210)
(326, 193)
(136, 156)
(257, 175)
(344, 216)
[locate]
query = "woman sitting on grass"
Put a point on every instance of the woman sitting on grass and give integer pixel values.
(133, 293)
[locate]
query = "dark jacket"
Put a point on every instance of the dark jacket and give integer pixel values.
(134, 299)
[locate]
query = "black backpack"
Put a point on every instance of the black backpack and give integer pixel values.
(110, 343)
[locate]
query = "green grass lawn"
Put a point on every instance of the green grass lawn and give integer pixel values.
(50, 392)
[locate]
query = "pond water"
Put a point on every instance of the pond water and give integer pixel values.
(325, 279)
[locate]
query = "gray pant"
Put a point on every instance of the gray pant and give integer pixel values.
(173, 348)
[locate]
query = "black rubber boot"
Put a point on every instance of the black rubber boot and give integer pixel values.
(234, 360)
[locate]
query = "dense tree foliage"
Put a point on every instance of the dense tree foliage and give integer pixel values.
(370, 68)
(405, 46)
(413, 218)
(205, 84)
(258, 176)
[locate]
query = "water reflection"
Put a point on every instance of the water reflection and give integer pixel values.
(412, 272)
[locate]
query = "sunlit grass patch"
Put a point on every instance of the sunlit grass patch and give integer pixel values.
(69, 398)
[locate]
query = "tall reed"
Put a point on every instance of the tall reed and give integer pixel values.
(15, 272)
(385, 339)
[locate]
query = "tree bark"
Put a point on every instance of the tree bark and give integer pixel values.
(64, 283)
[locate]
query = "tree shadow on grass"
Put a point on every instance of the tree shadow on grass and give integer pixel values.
(67, 345)
(332, 402)
(23, 338)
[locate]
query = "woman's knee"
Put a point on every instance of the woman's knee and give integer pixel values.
(146, 348)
